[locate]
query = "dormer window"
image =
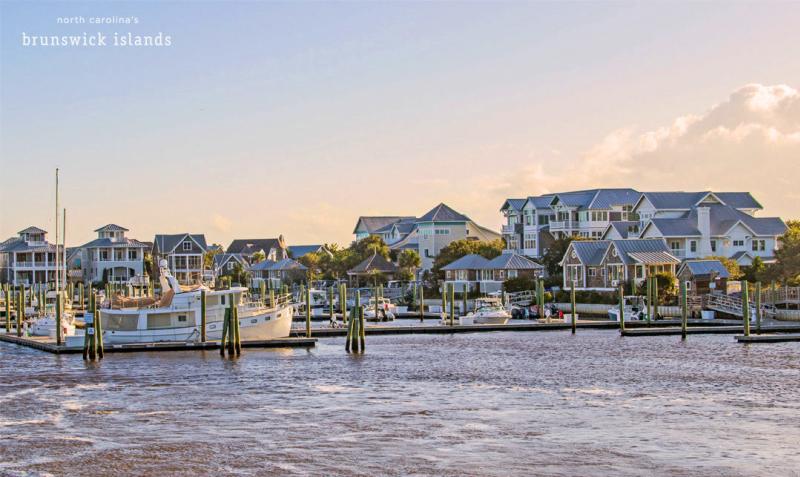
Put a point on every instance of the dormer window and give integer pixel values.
(187, 245)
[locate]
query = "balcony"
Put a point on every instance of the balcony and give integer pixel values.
(36, 264)
(678, 252)
(507, 229)
(564, 224)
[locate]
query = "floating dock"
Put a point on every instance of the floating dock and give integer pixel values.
(48, 344)
(707, 330)
(778, 338)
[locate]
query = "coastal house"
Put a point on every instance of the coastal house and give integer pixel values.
(479, 273)
(112, 256)
(278, 273)
(427, 234)
(225, 263)
(703, 276)
(28, 258)
(533, 223)
(704, 224)
(371, 266)
(274, 249)
(605, 264)
(184, 253)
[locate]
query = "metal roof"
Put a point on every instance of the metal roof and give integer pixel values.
(590, 252)
(373, 223)
(443, 213)
(623, 228)
(642, 248)
(298, 251)
(250, 246)
(677, 227)
(374, 263)
(513, 204)
(607, 198)
(705, 268)
(32, 230)
(511, 261)
(653, 258)
(107, 242)
(111, 228)
(467, 262)
(168, 242)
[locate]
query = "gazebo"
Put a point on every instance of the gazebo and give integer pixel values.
(372, 266)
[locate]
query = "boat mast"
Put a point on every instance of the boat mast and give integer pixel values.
(58, 270)
(64, 246)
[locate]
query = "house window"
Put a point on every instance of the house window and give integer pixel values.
(187, 245)
(639, 271)
(230, 265)
(428, 253)
(675, 245)
(738, 243)
(512, 274)
(713, 245)
(132, 255)
(103, 254)
(759, 245)
(693, 245)
(592, 272)
(544, 219)
(530, 241)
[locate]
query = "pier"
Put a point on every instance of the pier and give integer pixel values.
(49, 345)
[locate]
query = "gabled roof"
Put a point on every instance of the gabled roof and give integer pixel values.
(703, 268)
(107, 242)
(287, 264)
(111, 228)
(467, 262)
(221, 259)
(511, 261)
(298, 251)
(374, 263)
(405, 224)
(580, 199)
(680, 200)
(513, 204)
(677, 227)
(262, 265)
(623, 228)
(643, 251)
(168, 242)
(372, 223)
(739, 200)
(443, 213)
(607, 198)
(251, 246)
(724, 218)
(589, 252)
(32, 230)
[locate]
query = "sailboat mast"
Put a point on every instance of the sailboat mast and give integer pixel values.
(64, 246)
(58, 270)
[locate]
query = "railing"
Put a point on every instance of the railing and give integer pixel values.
(508, 229)
(733, 305)
(36, 264)
(563, 224)
(678, 252)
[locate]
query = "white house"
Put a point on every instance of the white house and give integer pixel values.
(702, 224)
(112, 255)
(28, 258)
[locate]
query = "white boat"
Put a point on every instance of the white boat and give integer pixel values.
(386, 310)
(320, 305)
(176, 316)
(45, 325)
(635, 308)
(488, 311)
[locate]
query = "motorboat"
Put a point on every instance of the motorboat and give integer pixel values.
(45, 325)
(320, 306)
(386, 310)
(489, 311)
(634, 307)
(176, 315)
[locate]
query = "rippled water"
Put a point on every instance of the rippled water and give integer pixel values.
(468, 404)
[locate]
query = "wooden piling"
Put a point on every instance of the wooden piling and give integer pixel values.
(361, 329)
(58, 319)
(465, 298)
(88, 332)
(20, 310)
(331, 296)
(224, 336)
(98, 328)
(421, 303)
(237, 343)
(343, 301)
(202, 316)
(746, 307)
(573, 308)
(684, 310)
(655, 297)
(758, 308)
(621, 309)
(8, 309)
(649, 300)
(452, 304)
(444, 301)
(375, 297)
(349, 320)
(308, 312)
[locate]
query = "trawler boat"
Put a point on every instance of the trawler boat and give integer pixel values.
(635, 308)
(176, 316)
(386, 310)
(489, 311)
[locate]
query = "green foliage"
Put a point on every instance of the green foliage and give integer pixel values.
(519, 284)
(259, 256)
(459, 248)
(239, 275)
(312, 260)
(755, 272)
(732, 266)
(667, 287)
(588, 296)
(208, 258)
(787, 255)
(552, 257)
(408, 261)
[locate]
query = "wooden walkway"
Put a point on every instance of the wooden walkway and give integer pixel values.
(777, 338)
(47, 344)
(708, 330)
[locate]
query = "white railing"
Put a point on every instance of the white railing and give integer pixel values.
(563, 224)
(508, 229)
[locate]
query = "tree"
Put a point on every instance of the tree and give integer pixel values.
(667, 290)
(552, 257)
(208, 258)
(518, 284)
(459, 248)
(409, 261)
(787, 255)
(734, 271)
(755, 272)
(312, 261)
(259, 256)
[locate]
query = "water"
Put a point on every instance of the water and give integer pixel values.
(468, 404)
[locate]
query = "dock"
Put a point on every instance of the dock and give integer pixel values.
(43, 343)
(707, 330)
(777, 338)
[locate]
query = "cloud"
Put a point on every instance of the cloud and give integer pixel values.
(221, 223)
(749, 142)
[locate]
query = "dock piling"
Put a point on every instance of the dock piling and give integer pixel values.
(684, 310)
(8, 309)
(98, 330)
(421, 303)
(758, 308)
(621, 309)
(452, 304)
(308, 312)
(20, 310)
(202, 316)
(746, 307)
(58, 319)
(573, 317)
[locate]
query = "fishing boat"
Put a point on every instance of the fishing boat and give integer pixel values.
(176, 315)
(489, 311)
(386, 310)
(634, 307)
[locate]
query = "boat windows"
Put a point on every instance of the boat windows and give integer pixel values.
(254, 320)
(119, 322)
(159, 320)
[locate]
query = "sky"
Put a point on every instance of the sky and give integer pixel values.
(266, 118)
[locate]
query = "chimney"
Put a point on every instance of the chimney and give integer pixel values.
(704, 226)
